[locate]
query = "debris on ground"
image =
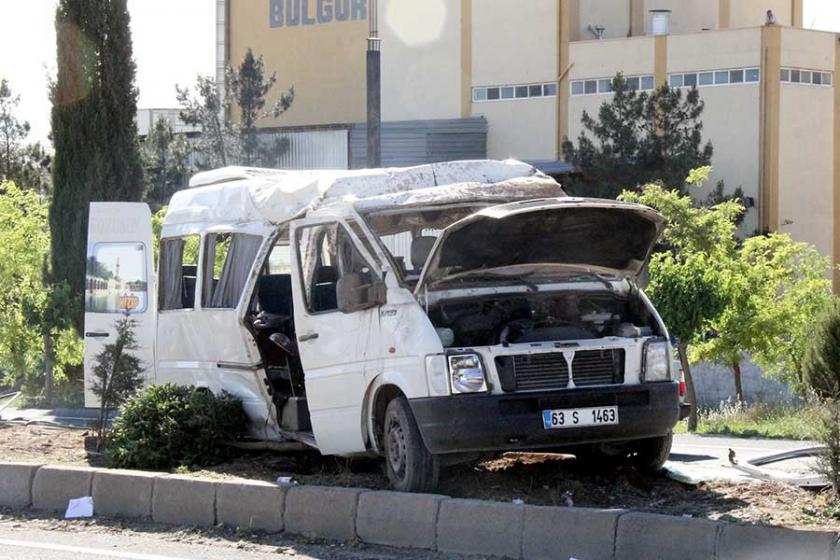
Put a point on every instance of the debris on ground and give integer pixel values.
(534, 478)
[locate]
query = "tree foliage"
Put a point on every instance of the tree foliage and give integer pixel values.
(821, 362)
(638, 138)
(248, 87)
(225, 140)
(771, 286)
(168, 426)
(93, 128)
(166, 162)
(30, 308)
(118, 373)
(26, 164)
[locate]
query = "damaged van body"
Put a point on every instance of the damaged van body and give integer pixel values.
(424, 315)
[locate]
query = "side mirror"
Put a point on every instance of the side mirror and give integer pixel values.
(359, 291)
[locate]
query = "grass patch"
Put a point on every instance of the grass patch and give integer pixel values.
(759, 420)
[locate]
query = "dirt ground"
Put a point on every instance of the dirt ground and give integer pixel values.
(534, 478)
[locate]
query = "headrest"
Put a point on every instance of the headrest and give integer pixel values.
(326, 275)
(420, 249)
(274, 292)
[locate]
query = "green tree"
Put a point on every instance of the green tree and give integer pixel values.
(118, 373)
(248, 87)
(31, 309)
(638, 138)
(205, 107)
(12, 132)
(225, 140)
(821, 374)
(166, 162)
(93, 129)
(688, 275)
(777, 286)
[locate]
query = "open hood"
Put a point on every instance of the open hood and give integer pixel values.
(602, 236)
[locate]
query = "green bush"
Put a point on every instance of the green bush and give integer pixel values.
(821, 364)
(169, 426)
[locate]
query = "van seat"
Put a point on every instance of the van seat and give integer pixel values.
(274, 293)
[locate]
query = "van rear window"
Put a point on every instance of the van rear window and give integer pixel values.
(116, 280)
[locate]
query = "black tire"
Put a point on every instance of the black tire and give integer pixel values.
(409, 465)
(652, 453)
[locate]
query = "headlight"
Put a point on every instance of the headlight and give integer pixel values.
(466, 374)
(657, 367)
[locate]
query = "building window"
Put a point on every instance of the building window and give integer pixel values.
(521, 91)
(805, 77)
(715, 77)
(603, 86)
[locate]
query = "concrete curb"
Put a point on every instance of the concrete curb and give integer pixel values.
(422, 521)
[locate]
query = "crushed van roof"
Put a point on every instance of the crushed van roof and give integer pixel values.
(238, 195)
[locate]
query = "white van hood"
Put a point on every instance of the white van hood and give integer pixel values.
(602, 236)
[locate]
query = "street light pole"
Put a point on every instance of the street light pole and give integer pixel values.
(374, 88)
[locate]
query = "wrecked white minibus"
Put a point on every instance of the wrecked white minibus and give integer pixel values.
(426, 315)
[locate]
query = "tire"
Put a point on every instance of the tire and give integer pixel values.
(409, 465)
(652, 453)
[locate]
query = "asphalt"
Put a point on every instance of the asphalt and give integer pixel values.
(41, 539)
(706, 457)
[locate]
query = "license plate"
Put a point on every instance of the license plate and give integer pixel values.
(580, 417)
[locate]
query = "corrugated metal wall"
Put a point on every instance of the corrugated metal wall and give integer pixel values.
(308, 149)
(418, 142)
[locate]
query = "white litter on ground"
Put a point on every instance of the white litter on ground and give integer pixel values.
(79, 507)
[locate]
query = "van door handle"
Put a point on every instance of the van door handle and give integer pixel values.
(306, 337)
(97, 334)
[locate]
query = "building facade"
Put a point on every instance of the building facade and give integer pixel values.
(519, 74)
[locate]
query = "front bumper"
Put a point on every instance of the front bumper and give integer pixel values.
(470, 423)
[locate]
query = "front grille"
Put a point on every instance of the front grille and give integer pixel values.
(534, 372)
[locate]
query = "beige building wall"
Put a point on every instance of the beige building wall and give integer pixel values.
(522, 129)
(603, 59)
(613, 15)
(503, 55)
(325, 62)
(806, 150)
(514, 42)
(687, 16)
(732, 112)
(421, 59)
(752, 13)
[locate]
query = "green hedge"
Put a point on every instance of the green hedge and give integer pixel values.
(168, 426)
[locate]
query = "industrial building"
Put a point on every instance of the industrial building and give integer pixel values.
(498, 78)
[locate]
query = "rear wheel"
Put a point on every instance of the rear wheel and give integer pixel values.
(409, 465)
(652, 453)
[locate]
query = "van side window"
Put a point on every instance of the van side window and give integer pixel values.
(177, 272)
(116, 278)
(327, 253)
(228, 259)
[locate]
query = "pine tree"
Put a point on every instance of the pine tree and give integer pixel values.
(638, 137)
(94, 133)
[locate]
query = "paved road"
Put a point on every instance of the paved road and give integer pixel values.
(41, 539)
(706, 457)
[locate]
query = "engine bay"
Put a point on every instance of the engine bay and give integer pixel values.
(541, 317)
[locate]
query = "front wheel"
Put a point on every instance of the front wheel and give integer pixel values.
(409, 465)
(652, 453)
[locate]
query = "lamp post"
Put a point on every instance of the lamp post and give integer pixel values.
(374, 88)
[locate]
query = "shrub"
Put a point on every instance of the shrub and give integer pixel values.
(821, 372)
(821, 363)
(169, 426)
